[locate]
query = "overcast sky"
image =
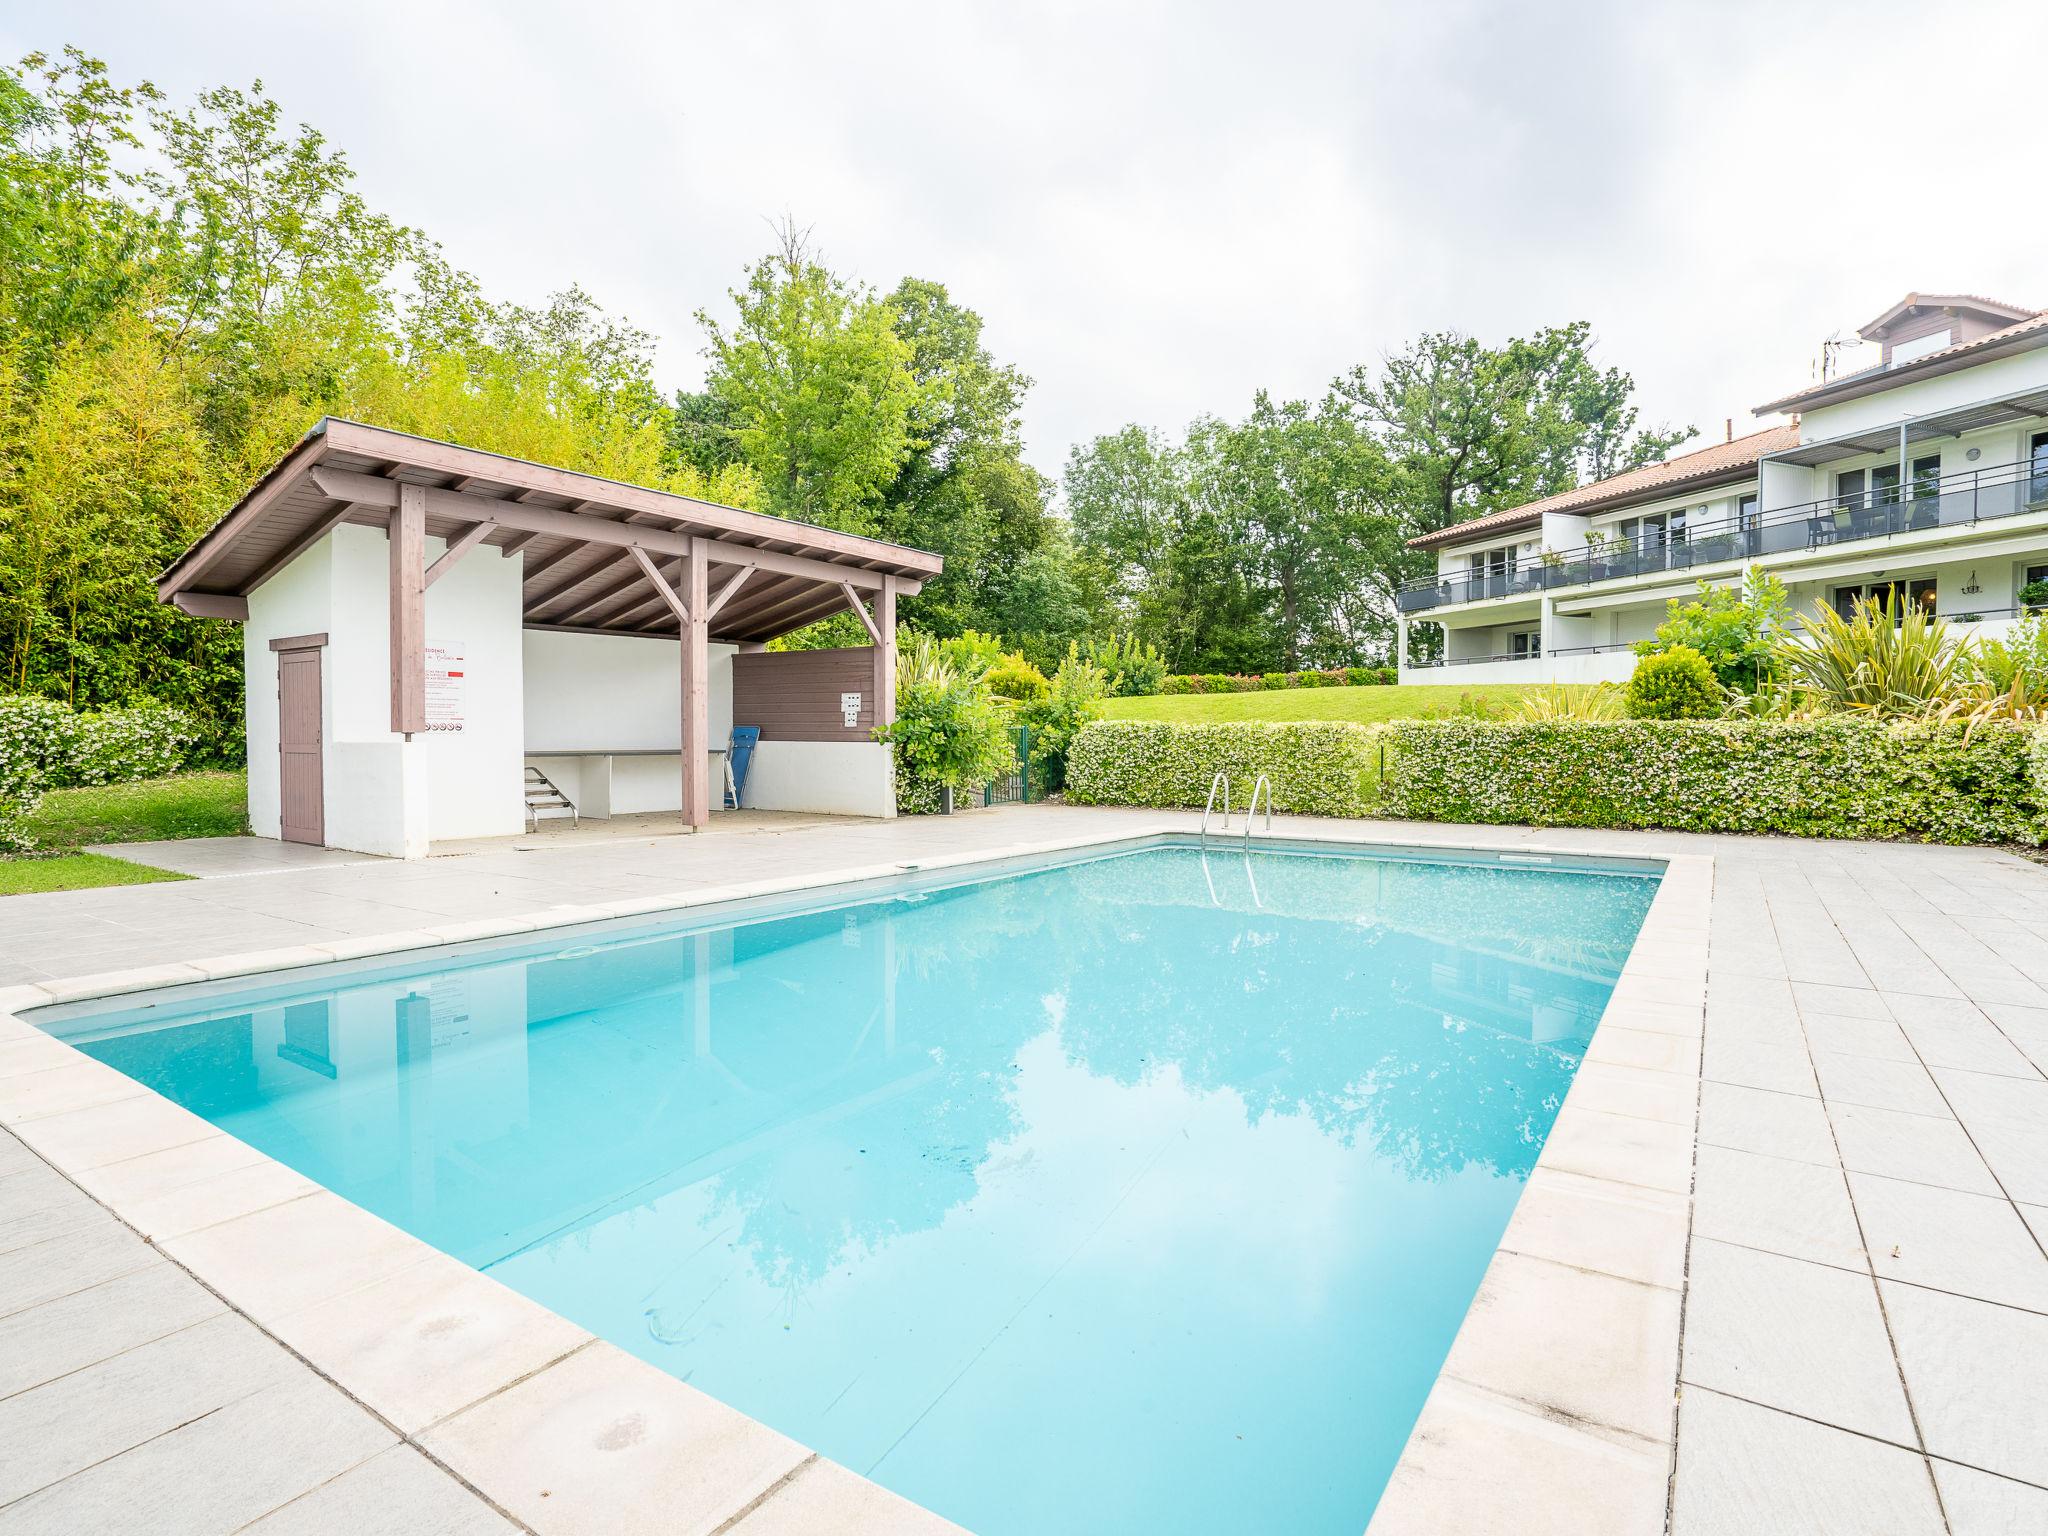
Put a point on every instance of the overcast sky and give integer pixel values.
(1159, 209)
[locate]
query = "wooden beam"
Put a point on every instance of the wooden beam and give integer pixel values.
(343, 485)
(708, 518)
(725, 592)
(211, 605)
(409, 611)
(860, 608)
(474, 535)
(512, 546)
(696, 639)
(660, 584)
(885, 653)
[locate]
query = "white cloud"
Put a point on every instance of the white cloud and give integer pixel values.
(1160, 209)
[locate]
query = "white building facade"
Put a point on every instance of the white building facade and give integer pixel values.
(1924, 474)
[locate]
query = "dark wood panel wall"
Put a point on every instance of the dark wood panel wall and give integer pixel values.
(794, 695)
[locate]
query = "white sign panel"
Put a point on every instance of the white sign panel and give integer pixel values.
(446, 686)
(849, 707)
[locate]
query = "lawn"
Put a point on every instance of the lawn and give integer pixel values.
(74, 872)
(1360, 704)
(145, 811)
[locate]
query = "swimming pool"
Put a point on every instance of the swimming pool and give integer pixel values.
(1138, 1192)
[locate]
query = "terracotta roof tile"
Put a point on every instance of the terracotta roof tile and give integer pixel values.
(1718, 461)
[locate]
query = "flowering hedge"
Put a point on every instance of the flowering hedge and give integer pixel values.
(1317, 767)
(44, 745)
(1259, 682)
(1819, 778)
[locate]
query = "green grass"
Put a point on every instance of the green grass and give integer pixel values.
(145, 811)
(74, 872)
(1359, 704)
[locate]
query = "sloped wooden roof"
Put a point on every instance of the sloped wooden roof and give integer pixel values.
(578, 534)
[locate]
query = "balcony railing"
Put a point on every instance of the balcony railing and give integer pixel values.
(1955, 501)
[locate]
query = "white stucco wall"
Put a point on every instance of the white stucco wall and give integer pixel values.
(1986, 381)
(615, 693)
(843, 778)
(382, 794)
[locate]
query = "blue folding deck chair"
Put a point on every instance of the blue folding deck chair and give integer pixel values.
(737, 759)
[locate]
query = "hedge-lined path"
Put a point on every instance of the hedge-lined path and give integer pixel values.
(1866, 1310)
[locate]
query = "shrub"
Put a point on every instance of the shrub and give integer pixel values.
(1073, 699)
(1134, 668)
(2034, 596)
(1674, 684)
(949, 732)
(118, 745)
(1012, 677)
(1733, 627)
(26, 731)
(1317, 768)
(1887, 660)
(1572, 701)
(1832, 776)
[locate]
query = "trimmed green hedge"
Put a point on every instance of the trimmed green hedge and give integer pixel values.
(1809, 778)
(1317, 767)
(1260, 682)
(1836, 777)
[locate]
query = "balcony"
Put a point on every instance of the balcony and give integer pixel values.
(1955, 501)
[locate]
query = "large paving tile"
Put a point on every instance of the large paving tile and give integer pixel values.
(1879, 1083)
(287, 1257)
(1625, 1148)
(75, 1261)
(1839, 1001)
(134, 1181)
(1801, 1337)
(252, 1187)
(1617, 1229)
(1599, 1349)
(824, 1499)
(216, 1472)
(2007, 1117)
(1671, 1097)
(1782, 1068)
(1799, 1209)
(1745, 1470)
(1922, 1148)
(82, 1419)
(1479, 1464)
(41, 1343)
(395, 1493)
(429, 1340)
(92, 1137)
(1980, 1504)
(1975, 1245)
(1858, 1037)
(1787, 1125)
(1971, 1045)
(604, 1445)
(1975, 1371)
(33, 1186)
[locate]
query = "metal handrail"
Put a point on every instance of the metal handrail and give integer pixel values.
(1959, 500)
(1221, 781)
(1262, 782)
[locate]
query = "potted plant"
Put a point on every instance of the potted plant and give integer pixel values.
(2034, 597)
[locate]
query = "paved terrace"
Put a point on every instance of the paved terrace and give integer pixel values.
(1858, 1152)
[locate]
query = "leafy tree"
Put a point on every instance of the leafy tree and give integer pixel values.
(819, 386)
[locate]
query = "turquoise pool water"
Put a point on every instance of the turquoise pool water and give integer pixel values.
(1140, 1193)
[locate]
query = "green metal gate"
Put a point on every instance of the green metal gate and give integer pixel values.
(1014, 787)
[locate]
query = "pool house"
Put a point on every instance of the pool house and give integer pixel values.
(443, 644)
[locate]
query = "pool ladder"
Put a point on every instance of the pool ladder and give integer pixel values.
(1222, 782)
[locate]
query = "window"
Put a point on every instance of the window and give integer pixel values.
(1884, 480)
(1747, 512)
(1849, 488)
(1526, 642)
(1919, 591)
(1492, 562)
(2037, 462)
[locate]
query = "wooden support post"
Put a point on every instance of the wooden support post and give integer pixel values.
(696, 637)
(884, 630)
(409, 611)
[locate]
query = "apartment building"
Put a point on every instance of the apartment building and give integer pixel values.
(1924, 474)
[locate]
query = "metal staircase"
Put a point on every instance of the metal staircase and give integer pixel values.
(544, 801)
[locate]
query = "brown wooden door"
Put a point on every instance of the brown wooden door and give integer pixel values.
(302, 810)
